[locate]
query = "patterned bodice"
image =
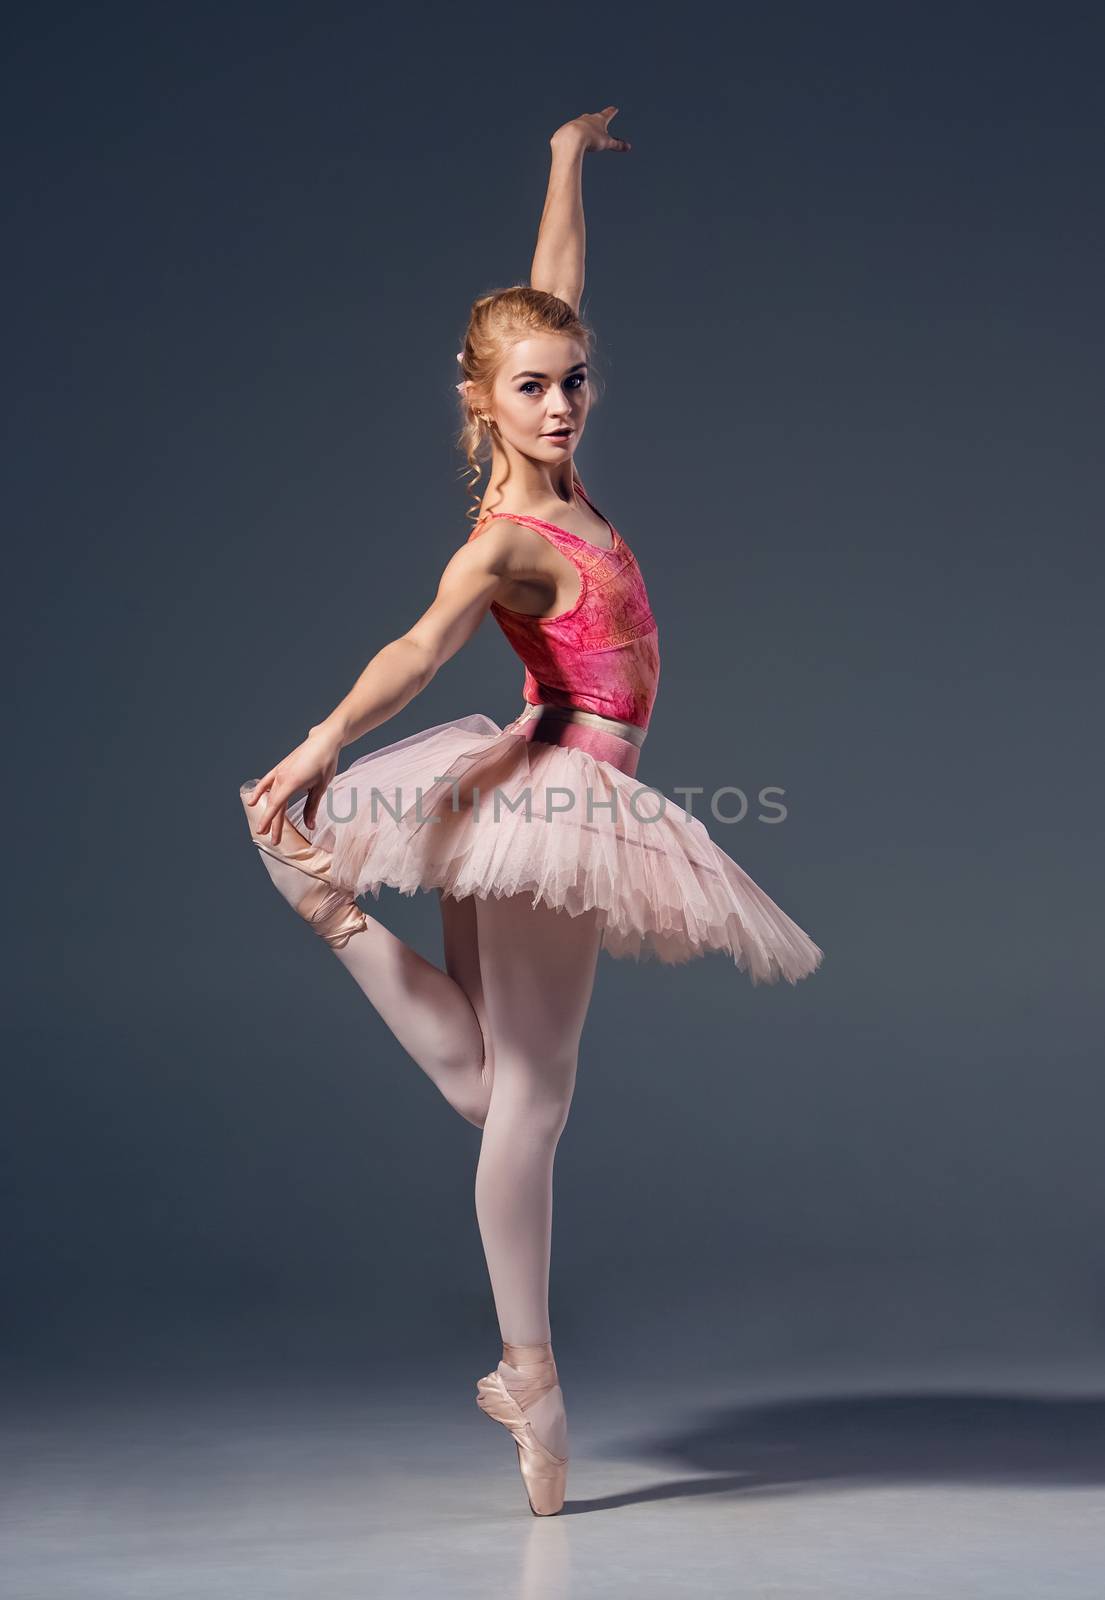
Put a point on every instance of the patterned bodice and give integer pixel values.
(603, 653)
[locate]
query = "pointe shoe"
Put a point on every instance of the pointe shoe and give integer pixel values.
(544, 1474)
(333, 913)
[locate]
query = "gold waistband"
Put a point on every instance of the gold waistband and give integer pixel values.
(622, 730)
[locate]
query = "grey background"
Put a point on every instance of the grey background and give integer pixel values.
(846, 289)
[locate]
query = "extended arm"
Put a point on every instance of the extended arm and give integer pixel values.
(393, 677)
(558, 259)
(403, 668)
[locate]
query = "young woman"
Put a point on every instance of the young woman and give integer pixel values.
(540, 843)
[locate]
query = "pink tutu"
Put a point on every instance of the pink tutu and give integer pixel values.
(470, 808)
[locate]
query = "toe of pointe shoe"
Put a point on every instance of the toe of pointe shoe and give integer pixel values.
(545, 1489)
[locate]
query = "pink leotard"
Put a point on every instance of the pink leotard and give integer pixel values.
(603, 653)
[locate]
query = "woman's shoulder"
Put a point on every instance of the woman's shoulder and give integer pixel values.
(491, 524)
(501, 537)
(508, 524)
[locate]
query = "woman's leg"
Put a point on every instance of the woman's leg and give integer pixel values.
(429, 1011)
(461, 947)
(538, 970)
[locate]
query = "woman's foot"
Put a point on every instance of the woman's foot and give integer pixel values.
(523, 1393)
(300, 870)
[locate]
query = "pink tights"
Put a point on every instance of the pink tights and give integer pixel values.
(498, 1032)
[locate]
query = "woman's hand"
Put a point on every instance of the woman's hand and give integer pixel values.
(589, 132)
(311, 766)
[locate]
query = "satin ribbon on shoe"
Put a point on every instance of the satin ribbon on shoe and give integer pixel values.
(536, 1367)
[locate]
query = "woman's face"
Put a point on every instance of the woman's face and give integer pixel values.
(542, 396)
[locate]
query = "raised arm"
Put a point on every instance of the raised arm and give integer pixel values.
(558, 259)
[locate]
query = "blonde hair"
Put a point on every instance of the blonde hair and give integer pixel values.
(495, 323)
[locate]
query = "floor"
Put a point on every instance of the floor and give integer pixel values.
(343, 1491)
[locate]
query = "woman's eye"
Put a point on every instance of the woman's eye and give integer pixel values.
(577, 380)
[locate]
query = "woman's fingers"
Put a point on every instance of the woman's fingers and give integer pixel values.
(311, 767)
(612, 143)
(318, 794)
(310, 810)
(592, 128)
(259, 788)
(273, 810)
(274, 817)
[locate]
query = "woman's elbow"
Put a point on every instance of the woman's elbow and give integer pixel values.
(421, 659)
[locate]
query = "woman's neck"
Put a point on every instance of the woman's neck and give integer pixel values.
(530, 482)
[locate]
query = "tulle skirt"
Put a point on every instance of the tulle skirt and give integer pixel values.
(552, 809)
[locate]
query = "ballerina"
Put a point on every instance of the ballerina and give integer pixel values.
(540, 843)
